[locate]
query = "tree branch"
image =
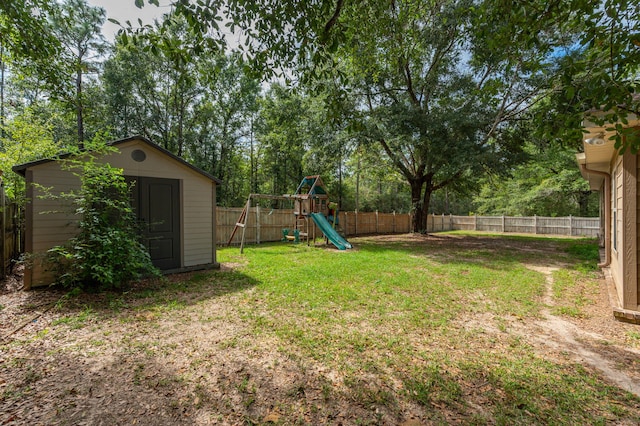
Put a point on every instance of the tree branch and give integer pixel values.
(406, 71)
(446, 182)
(332, 21)
(399, 164)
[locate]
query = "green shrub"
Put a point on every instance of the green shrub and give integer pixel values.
(107, 252)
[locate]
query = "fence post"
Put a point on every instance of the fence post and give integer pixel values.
(393, 224)
(570, 226)
(450, 223)
(258, 224)
(503, 224)
(535, 223)
(377, 223)
(344, 225)
(442, 222)
(475, 222)
(356, 213)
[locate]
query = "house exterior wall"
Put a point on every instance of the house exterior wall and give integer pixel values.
(630, 231)
(197, 214)
(616, 225)
(598, 161)
(624, 229)
(637, 236)
(602, 209)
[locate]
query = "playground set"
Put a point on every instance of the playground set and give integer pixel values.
(310, 202)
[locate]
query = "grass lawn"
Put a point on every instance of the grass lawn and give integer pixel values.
(401, 330)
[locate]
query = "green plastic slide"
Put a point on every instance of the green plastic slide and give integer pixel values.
(329, 232)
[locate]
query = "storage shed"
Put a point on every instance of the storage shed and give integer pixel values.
(175, 202)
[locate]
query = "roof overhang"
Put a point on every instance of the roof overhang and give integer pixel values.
(598, 148)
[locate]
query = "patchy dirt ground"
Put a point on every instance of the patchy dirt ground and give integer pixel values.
(195, 362)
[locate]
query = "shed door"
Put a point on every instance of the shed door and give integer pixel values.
(157, 205)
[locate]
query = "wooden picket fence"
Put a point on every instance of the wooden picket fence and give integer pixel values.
(265, 225)
(568, 225)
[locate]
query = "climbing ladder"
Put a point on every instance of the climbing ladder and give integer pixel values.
(302, 225)
(244, 216)
(241, 223)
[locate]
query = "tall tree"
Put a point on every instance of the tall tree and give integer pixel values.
(25, 36)
(282, 137)
(431, 92)
(329, 143)
(122, 72)
(432, 100)
(152, 90)
(78, 26)
(548, 185)
(230, 101)
(27, 138)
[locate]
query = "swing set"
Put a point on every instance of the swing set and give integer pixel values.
(310, 201)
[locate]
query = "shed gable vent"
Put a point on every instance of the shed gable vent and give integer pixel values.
(138, 155)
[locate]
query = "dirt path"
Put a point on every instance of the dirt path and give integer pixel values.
(569, 337)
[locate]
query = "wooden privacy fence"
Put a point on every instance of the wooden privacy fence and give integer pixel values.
(271, 222)
(574, 226)
(10, 229)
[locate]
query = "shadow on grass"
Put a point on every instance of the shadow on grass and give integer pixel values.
(492, 251)
(136, 384)
(167, 292)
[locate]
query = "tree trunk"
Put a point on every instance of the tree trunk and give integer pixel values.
(426, 201)
(420, 202)
(2, 68)
(357, 184)
(340, 183)
(181, 127)
(583, 201)
(253, 176)
(419, 218)
(447, 210)
(79, 119)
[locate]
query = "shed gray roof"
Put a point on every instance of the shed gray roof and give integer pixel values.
(22, 168)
